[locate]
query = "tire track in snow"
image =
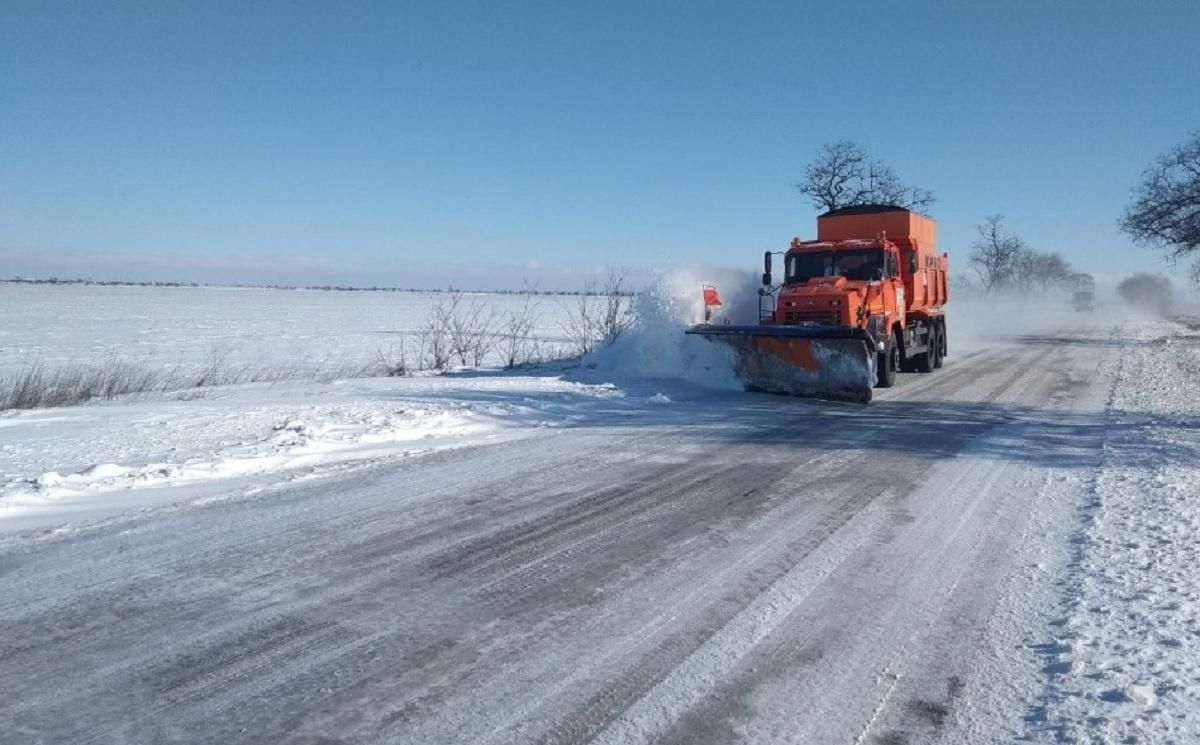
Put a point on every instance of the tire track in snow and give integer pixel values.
(628, 689)
(685, 677)
(350, 643)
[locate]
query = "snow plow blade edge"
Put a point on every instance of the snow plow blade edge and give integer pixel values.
(812, 362)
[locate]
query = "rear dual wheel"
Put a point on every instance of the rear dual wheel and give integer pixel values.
(931, 359)
(940, 346)
(927, 360)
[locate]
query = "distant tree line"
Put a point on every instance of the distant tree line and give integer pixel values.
(1003, 261)
(98, 282)
(587, 290)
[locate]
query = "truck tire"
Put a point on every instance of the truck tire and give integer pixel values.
(887, 364)
(940, 346)
(923, 362)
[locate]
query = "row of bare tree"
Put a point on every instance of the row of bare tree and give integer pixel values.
(1003, 261)
(470, 331)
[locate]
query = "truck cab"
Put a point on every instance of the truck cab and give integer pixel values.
(840, 283)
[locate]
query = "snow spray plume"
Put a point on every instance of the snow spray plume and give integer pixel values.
(977, 320)
(656, 347)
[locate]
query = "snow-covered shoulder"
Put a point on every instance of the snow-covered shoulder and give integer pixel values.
(1123, 665)
(82, 462)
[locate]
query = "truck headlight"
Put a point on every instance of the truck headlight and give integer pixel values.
(877, 327)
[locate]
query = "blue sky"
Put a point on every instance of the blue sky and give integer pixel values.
(424, 143)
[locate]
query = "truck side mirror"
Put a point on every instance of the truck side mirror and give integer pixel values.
(767, 269)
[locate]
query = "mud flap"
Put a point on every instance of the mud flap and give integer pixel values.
(837, 364)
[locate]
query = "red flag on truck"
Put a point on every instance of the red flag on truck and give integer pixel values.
(711, 296)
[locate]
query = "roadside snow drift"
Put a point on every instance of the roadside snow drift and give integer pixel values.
(87, 460)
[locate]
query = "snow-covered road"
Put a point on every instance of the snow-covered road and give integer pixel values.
(738, 568)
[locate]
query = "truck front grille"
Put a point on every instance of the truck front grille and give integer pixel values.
(822, 316)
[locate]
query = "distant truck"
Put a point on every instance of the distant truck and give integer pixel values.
(1084, 297)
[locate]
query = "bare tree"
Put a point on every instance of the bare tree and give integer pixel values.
(391, 363)
(996, 253)
(517, 343)
(471, 331)
(1152, 292)
(601, 314)
(434, 337)
(617, 312)
(965, 283)
(1165, 211)
(843, 175)
(1052, 271)
(580, 323)
(457, 328)
(1038, 270)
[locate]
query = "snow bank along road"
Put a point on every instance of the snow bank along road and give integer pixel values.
(973, 557)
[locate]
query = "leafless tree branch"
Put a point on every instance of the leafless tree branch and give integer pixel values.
(1165, 210)
(843, 175)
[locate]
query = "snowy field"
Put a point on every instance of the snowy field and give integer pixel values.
(308, 332)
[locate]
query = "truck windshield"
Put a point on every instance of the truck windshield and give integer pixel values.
(863, 263)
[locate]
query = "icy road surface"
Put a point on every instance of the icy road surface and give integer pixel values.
(948, 564)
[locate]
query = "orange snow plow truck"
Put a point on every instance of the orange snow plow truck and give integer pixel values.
(862, 302)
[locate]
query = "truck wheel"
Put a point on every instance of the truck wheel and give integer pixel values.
(939, 345)
(923, 362)
(887, 364)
